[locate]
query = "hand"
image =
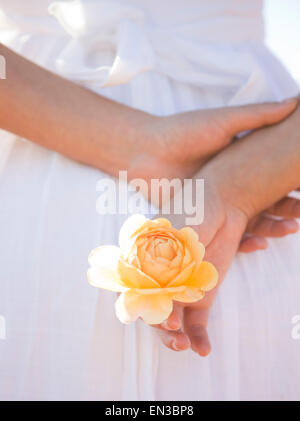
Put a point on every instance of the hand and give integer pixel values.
(181, 144)
(110, 136)
(224, 225)
(178, 145)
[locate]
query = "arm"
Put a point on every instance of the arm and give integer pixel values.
(62, 116)
(67, 118)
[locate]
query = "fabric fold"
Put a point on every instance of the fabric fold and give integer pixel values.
(110, 43)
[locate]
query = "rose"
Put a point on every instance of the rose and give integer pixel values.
(154, 265)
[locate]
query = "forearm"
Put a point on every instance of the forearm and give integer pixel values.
(62, 116)
(260, 169)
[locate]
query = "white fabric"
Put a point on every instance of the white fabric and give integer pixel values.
(63, 340)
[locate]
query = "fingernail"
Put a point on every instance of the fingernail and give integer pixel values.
(174, 345)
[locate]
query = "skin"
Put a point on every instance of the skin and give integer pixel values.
(62, 116)
(237, 190)
(67, 118)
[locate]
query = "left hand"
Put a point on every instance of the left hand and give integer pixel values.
(225, 224)
(265, 225)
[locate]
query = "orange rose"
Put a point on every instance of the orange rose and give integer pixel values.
(154, 265)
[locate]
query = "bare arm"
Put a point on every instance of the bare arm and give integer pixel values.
(62, 116)
(241, 181)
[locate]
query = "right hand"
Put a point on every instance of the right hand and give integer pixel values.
(177, 146)
(221, 233)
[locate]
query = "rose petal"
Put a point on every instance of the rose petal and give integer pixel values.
(105, 256)
(165, 249)
(153, 308)
(127, 230)
(171, 290)
(178, 259)
(158, 271)
(165, 232)
(189, 233)
(187, 259)
(189, 295)
(163, 261)
(141, 250)
(162, 222)
(147, 225)
(105, 278)
(133, 277)
(205, 277)
(196, 248)
(183, 276)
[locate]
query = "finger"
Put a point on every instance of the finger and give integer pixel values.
(175, 320)
(287, 207)
(169, 333)
(249, 117)
(195, 322)
(177, 341)
(264, 226)
(250, 244)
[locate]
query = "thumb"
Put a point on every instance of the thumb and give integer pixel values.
(254, 116)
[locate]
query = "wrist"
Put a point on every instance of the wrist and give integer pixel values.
(230, 190)
(114, 133)
(259, 169)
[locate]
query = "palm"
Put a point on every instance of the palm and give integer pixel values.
(221, 233)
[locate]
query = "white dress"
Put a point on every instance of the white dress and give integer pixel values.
(63, 340)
